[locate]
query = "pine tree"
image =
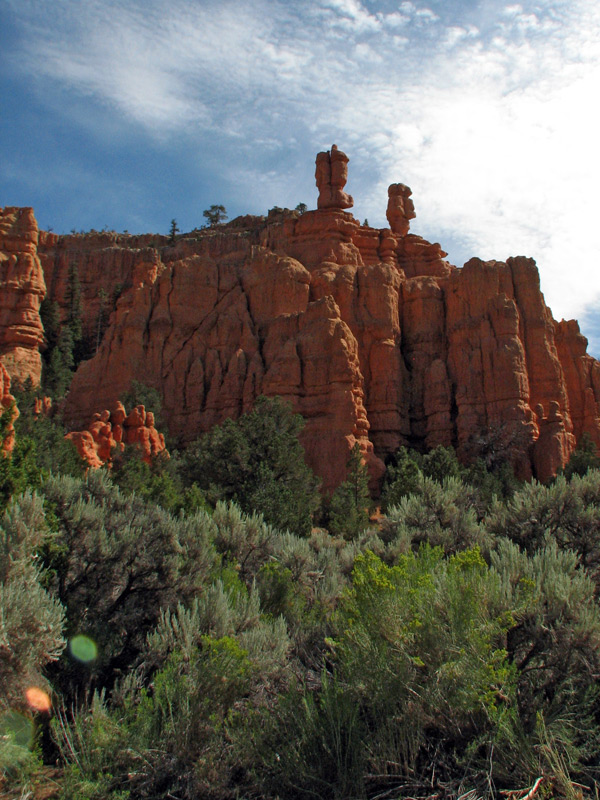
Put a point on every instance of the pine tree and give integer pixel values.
(215, 215)
(403, 477)
(74, 305)
(65, 344)
(173, 231)
(102, 316)
(258, 462)
(584, 457)
(351, 501)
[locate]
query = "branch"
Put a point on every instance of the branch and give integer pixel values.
(530, 793)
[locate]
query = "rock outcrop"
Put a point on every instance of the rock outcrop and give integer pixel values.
(370, 334)
(400, 209)
(22, 290)
(331, 175)
(109, 432)
(7, 406)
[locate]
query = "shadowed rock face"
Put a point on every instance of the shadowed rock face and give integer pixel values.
(7, 406)
(370, 334)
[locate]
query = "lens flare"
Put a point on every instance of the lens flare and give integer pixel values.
(83, 649)
(38, 699)
(16, 737)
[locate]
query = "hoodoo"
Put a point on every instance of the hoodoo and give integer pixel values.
(369, 333)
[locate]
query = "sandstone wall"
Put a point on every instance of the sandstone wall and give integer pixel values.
(370, 334)
(22, 289)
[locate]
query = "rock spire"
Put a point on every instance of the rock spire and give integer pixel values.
(331, 175)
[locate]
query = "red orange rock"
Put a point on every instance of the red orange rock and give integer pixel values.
(400, 209)
(331, 175)
(365, 353)
(582, 379)
(7, 406)
(22, 289)
(370, 334)
(42, 406)
(109, 432)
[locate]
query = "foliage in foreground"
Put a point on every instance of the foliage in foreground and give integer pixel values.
(454, 647)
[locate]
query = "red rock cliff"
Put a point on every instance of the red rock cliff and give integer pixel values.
(22, 290)
(7, 406)
(370, 334)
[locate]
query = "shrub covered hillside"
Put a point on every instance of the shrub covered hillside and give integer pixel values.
(209, 627)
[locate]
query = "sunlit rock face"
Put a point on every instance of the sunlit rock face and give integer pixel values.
(331, 174)
(110, 431)
(22, 290)
(369, 333)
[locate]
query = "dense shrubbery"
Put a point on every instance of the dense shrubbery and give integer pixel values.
(258, 462)
(236, 651)
(40, 448)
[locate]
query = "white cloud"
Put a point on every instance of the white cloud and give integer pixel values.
(455, 35)
(393, 20)
(355, 15)
(427, 14)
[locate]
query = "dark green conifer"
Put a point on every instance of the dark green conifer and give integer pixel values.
(258, 462)
(351, 501)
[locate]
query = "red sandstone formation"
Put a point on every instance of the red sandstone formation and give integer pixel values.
(42, 406)
(370, 334)
(7, 403)
(400, 209)
(331, 175)
(22, 290)
(582, 379)
(110, 431)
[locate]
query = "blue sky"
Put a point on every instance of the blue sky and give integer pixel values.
(128, 113)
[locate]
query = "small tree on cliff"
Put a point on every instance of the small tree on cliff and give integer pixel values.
(74, 304)
(66, 346)
(102, 317)
(215, 215)
(173, 231)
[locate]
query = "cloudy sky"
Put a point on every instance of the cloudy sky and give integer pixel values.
(129, 113)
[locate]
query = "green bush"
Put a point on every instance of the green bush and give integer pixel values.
(258, 462)
(554, 641)
(92, 743)
(454, 648)
(408, 468)
(440, 514)
(584, 458)
(177, 731)
(351, 502)
(31, 620)
(565, 512)
(115, 561)
(314, 745)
